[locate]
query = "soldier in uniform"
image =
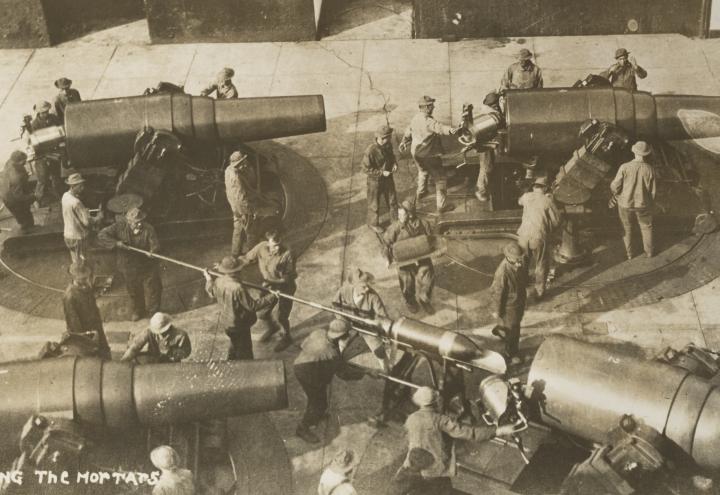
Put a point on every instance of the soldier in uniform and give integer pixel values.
(416, 279)
(423, 137)
(15, 191)
(379, 165)
(165, 342)
(66, 95)
(523, 74)
(240, 183)
(141, 272)
(47, 169)
(173, 480)
(623, 72)
(223, 86)
(486, 156)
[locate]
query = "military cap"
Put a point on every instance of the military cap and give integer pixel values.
(492, 98)
(122, 203)
(621, 52)
(513, 251)
(63, 83)
(383, 130)
(425, 100)
(338, 328)
(230, 264)
(164, 457)
(237, 157)
(524, 54)
(135, 215)
(226, 73)
(17, 157)
(424, 396)
(74, 179)
(160, 323)
(541, 181)
(359, 276)
(42, 106)
(641, 148)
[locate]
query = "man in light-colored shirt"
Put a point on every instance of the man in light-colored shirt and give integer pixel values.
(623, 72)
(77, 221)
(523, 74)
(423, 136)
(240, 189)
(634, 187)
(223, 86)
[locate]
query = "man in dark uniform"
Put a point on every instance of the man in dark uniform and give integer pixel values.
(47, 169)
(141, 272)
(379, 165)
(486, 154)
(418, 278)
(66, 95)
(315, 367)
(164, 341)
(277, 267)
(15, 191)
(509, 295)
(237, 307)
(81, 312)
(240, 189)
(223, 86)
(623, 72)
(523, 74)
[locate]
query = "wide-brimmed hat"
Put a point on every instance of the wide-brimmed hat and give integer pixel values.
(641, 148)
(123, 203)
(42, 106)
(383, 130)
(74, 179)
(230, 264)
(621, 52)
(425, 100)
(338, 328)
(344, 462)
(63, 83)
(159, 323)
(513, 251)
(226, 73)
(408, 206)
(135, 215)
(420, 459)
(18, 157)
(358, 276)
(79, 270)
(237, 157)
(164, 457)
(541, 180)
(425, 396)
(524, 54)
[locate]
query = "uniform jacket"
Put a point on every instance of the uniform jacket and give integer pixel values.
(15, 185)
(175, 482)
(424, 133)
(634, 185)
(509, 288)
(82, 313)
(623, 75)
(275, 268)
(433, 431)
(41, 123)
(240, 189)
(147, 239)
(237, 307)
(370, 305)
(378, 159)
(540, 216)
(517, 77)
(62, 99)
(172, 346)
(398, 231)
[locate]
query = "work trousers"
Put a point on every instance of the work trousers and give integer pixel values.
(284, 306)
(21, 212)
(538, 250)
(393, 392)
(511, 323)
(642, 216)
(49, 183)
(418, 280)
(439, 486)
(431, 167)
(314, 378)
(244, 237)
(487, 163)
(241, 346)
(78, 249)
(380, 189)
(144, 288)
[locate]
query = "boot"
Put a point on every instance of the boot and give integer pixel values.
(306, 434)
(285, 342)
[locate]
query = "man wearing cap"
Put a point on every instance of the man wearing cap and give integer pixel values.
(164, 343)
(316, 365)
(416, 279)
(336, 479)
(237, 308)
(634, 187)
(379, 164)
(173, 480)
(623, 72)
(431, 430)
(81, 312)
(540, 218)
(223, 86)
(240, 183)
(523, 74)
(141, 272)
(423, 136)
(15, 191)
(486, 154)
(78, 224)
(277, 267)
(66, 95)
(409, 479)
(509, 295)
(47, 170)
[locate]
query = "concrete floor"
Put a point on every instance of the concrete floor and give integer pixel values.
(365, 83)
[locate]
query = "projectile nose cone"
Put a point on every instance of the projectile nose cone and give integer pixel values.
(462, 348)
